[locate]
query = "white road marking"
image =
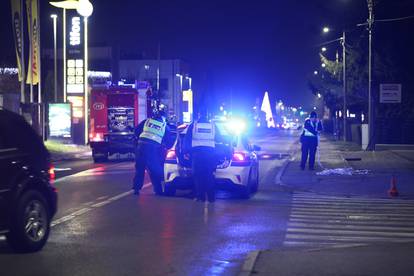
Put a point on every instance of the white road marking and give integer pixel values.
(62, 169)
(348, 216)
(350, 226)
(348, 203)
(344, 221)
(312, 197)
(313, 244)
(100, 204)
(349, 232)
(107, 169)
(350, 212)
(360, 239)
(321, 220)
(93, 206)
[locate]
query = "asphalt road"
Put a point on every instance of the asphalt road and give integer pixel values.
(102, 229)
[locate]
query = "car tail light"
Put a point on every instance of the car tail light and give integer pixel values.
(96, 137)
(240, 159)
(51, 172)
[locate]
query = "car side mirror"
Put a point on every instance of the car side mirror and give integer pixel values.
(257, 148)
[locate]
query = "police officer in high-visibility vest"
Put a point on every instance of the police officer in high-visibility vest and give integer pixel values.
(200, 141)
(309, 140)
(153, 138)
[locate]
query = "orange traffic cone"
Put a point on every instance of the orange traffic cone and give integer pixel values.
(393, 192)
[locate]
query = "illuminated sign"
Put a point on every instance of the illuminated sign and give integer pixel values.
(188, 105)
(77, 106)
(98, 106)
(75, 33)
(60, 123)
(75, 75)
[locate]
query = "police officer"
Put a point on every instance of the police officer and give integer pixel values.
(154, 137)
(200, 141)
(309, 140)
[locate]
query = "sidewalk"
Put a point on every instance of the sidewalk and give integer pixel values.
(65, 152)
(345, 170)
(378, 260)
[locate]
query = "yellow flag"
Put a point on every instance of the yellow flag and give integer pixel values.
(17, 34)
(33, 72)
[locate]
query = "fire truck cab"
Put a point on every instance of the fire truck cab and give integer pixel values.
(114, 114)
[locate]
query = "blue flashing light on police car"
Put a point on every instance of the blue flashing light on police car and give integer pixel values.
(236, 126)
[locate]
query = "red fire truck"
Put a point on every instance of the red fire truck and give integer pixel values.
(114, 114)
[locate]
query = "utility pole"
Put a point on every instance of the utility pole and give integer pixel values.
(344, 81)
(22, 59)
(54, 17)
(370, 103)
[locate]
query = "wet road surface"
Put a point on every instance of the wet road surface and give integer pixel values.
(102, 229)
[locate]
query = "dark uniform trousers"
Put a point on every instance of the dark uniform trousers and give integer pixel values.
(203, 167)
(149, 156)
(309, 145)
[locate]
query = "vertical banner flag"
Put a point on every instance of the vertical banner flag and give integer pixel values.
(17, 23)
(34, 61)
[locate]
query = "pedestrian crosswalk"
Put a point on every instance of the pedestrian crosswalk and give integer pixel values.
(322, 220)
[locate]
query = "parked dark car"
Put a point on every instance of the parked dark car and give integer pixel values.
(27, 199)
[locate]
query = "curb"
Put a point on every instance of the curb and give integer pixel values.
(70, 156)
(249, 263)
(284, 166)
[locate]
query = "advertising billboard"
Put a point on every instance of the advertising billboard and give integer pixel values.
(60, 123)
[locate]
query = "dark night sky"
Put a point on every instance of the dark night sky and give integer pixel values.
(245, 47)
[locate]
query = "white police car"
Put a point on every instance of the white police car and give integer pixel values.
(237, 170)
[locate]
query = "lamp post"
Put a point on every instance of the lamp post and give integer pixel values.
(189, 81)
(370, 111)
(181, 80)
(343, 43)
(85, 9)
(54, 17)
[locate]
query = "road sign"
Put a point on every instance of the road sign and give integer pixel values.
(390, 93)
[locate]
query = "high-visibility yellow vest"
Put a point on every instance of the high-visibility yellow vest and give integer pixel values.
(203, 135)
(307, 132)
(153, 130)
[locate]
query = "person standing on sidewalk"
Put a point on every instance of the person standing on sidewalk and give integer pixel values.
(310, 139)
(153, 138)
(200, 142)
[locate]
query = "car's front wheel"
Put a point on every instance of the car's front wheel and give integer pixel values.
(30, 224)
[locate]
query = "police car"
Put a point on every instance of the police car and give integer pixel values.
(237, 168)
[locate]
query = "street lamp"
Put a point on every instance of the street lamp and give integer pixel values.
(323, 65)
(370, 113)
(323, 49)
(315, 72)
(189, 81)
(343, 42)
(54, 17)
(181, 80)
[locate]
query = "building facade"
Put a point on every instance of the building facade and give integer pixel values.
(168, 78)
